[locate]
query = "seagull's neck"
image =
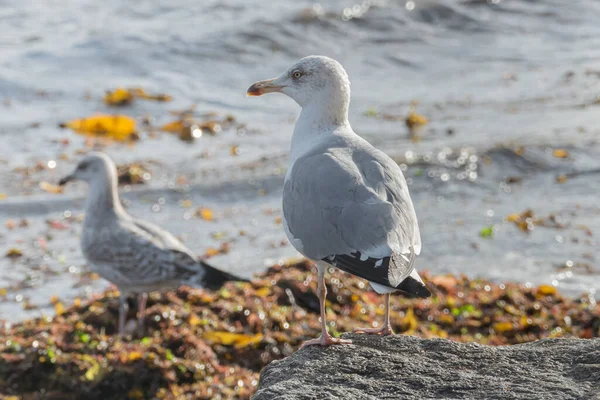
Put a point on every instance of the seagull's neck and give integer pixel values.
(318, 121)
(103, 199)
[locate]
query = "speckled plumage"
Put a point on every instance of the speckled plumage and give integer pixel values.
(135, 255)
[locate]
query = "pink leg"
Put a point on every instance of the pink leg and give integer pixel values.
(386, 329)
(123, 308)
(142, 299)
(325, 339)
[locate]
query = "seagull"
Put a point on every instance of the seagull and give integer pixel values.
(135, 255)
(345, 203)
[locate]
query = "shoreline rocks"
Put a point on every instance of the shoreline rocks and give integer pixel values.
(407, 367)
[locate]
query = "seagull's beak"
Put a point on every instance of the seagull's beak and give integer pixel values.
(262, 87)
(66, 180)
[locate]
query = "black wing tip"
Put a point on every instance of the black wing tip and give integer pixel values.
(214, 278)
(414, 287)
(363, 268)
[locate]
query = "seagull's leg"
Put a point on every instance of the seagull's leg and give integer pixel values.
(142, 299)
(325, 339)
(386, 329)
(123, 308)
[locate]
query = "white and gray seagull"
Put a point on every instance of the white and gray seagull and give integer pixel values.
(345, 203)
(135, 255)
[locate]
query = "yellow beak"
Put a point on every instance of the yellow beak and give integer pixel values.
(262, 87)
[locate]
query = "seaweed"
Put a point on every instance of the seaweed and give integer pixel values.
(213, 344)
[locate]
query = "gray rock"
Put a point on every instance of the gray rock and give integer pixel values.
(406, 367)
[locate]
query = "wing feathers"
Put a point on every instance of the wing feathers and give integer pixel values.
(388, 271)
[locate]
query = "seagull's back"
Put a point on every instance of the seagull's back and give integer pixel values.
(136, 254)
(348, 203)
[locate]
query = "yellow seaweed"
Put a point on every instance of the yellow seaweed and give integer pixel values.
(118, 127)
(238, 340)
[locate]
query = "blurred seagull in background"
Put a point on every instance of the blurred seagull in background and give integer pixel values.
(345, 203)
(135, 255)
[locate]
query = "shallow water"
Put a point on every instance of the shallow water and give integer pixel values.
(490, 76)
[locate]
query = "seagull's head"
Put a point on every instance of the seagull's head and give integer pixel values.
(93, 167)
(311, 79)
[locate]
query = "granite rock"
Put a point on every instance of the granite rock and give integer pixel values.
(406, 367)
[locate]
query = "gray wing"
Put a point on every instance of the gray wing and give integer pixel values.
(212, 277)
(134, 252)
(163, 238)
(350, 206)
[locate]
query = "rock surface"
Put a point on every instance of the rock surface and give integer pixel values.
(406, 367)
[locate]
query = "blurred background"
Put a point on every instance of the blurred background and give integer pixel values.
(490, 107)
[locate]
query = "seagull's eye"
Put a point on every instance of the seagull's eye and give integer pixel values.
(296, 74)
(82, 167)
